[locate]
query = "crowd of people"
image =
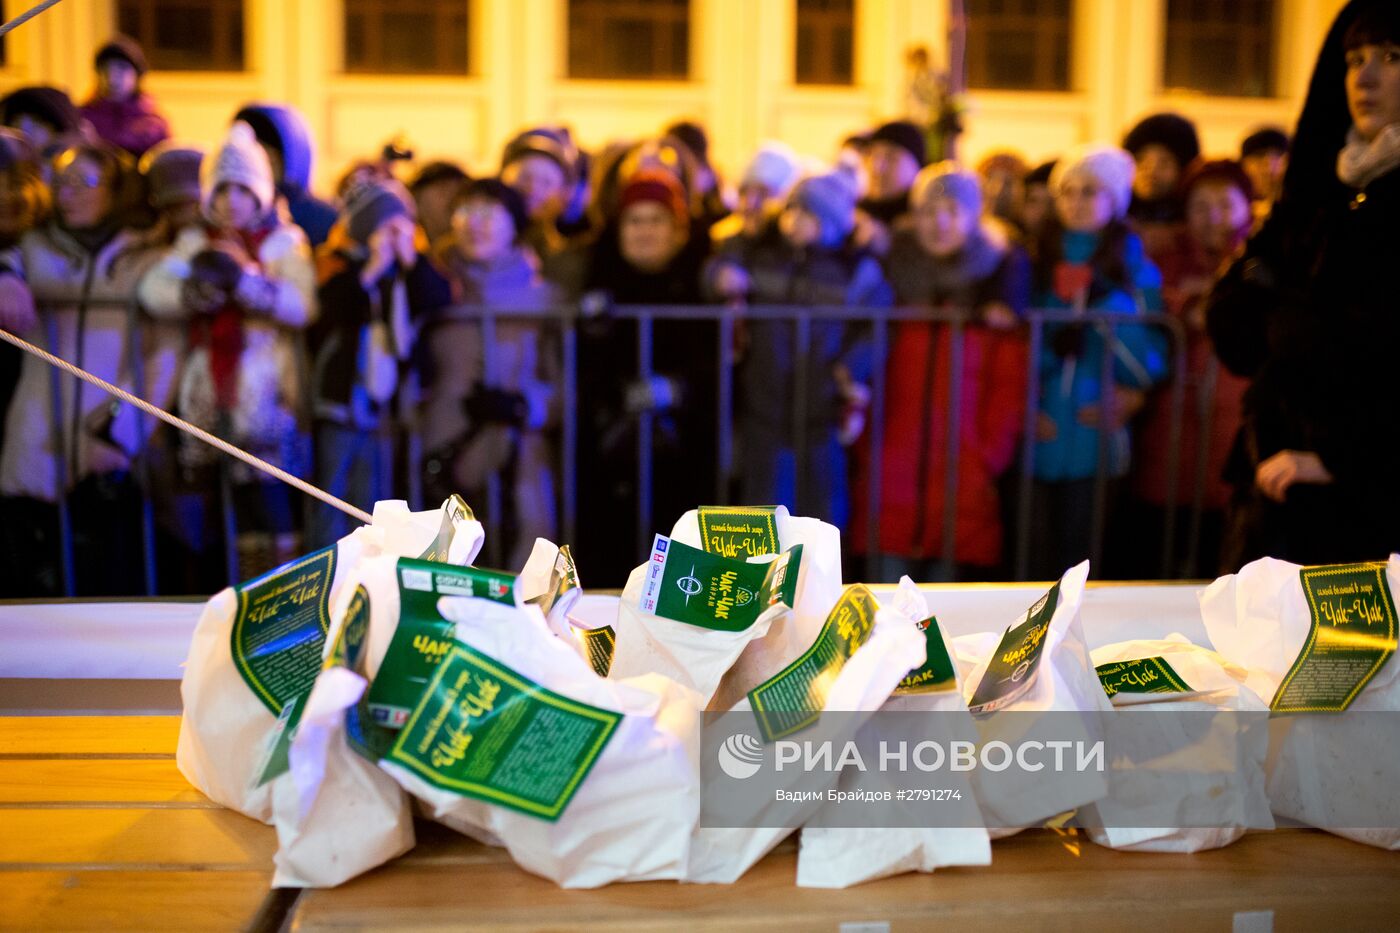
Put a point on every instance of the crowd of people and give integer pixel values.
(341, 338)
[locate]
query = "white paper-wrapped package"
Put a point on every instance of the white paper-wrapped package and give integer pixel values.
(1036, 684)
(337, 814)
(745, 530)
(584, 780)
(1187, 744)
(838, 857)
(854, 663)
(257, 648)
(550, 580)
(1318, 645)
(688, 614)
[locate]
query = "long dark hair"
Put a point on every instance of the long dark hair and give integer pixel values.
(118, 170)
(1109, 259)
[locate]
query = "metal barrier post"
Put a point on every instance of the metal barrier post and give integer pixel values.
(645, 422)
(1028, 442)
(802, 342)
(880, 332)
(141, 460)
(952, 445)
(1205, 408)
(494, 498)
(230, 522)
(569, 323)
(1174, 434)
(60, 468)
(724, 444)
(1105, 426)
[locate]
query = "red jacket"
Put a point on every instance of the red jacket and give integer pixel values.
(1185, 272)
(993, 406)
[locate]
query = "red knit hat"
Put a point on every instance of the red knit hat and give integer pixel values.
(659, 186)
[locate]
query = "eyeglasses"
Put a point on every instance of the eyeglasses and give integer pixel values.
(88, 181)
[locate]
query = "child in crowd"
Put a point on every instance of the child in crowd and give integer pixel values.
(120, 112)
(1218, 221)
(244, 281)
(764, 187)
(806, 257)
(950, 259)
(81, 267)
(490, 409)
(373, 290)
(171, 174)
(1088, 260)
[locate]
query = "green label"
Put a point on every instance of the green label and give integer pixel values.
(792, 700)
(1017, 657)
(454, 511)
(685, 584)
(423, 635)
(1142, 675)
(599, 645)
(278, 759)
(731, 531)
(1352, 636)
(937, 675)
(484, 731)
(279, 629)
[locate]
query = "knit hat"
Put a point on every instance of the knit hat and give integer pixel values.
(1224, 171)
(1110, 167)
(434, 172)
(493, 189)
(171, 171)
(45, 104)
(830, 198)
(775, 166)
(1265, 139)
(123, 48)
(655, 185)
(15, 149)
(240, 160)
(370, 203)
(905, 135)
(1172, 131)
(553, 144)
(947, 180)
(692, 136)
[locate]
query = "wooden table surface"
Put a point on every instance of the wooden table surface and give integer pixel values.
(98, 830)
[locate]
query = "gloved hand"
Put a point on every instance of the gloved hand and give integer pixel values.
(1068, 340)
(488, 405)
(655, 394)
(214, 275)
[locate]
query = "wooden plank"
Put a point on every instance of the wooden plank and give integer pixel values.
(88, 735)
(148, 838)
(130, 900)
(1309, 880)
(125, 781)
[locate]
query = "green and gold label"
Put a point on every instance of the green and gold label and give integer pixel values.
(484, 731)
(599, 644)
(455, 511)
(688, 585)
(563, 579)
(279, 628)
(1017, 657)
(733, 531)
(937, 674)
(423, 636)
(1351, 637)
(1141, 675)
(792, 700)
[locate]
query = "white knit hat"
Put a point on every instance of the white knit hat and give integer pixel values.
(1112, 168)
(242, 161)
(776, 167)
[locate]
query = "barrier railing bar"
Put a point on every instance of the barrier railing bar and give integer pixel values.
(1024, 512)
(1102, 439)
(952, 446)
(1169, 567)
(724, 408)
(802, 343)
(874, 483)
(58, 449)
(570, 426)
(645, 424)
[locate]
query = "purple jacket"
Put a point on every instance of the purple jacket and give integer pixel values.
(134, 125)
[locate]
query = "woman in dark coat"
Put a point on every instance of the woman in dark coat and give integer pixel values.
(1309, 315)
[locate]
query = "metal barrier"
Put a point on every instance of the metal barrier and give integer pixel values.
(878, 321)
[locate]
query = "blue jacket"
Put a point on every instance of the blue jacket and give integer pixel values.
(284, 129)
(1070, 382)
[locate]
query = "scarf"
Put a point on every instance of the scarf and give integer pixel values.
(1361, 162)
(222, 332)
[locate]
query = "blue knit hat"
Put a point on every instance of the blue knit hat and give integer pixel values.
(831, 198)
